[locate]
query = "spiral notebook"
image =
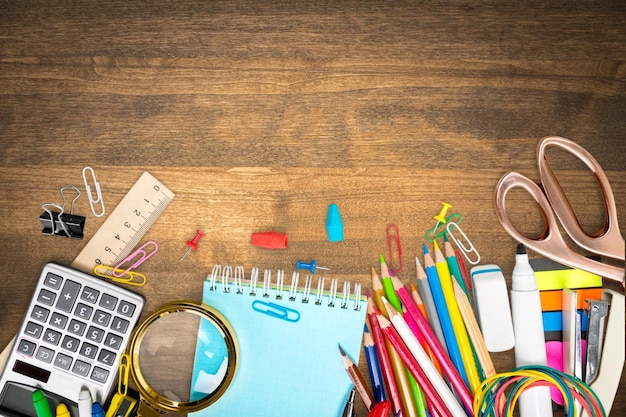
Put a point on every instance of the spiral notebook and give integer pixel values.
(288, 337)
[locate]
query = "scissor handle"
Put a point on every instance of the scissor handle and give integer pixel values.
(607, 241)
(550, 243)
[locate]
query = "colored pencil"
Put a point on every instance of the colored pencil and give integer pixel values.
(474, 331)
(464, 271)
(410, 344)
(453, 264)
(357, 379)
(401, 375)
(390, 293)
(465, 348)
(420, 305)
(385, 352)
(444, 314)
(373, 366)
(450, 371)
(429, 303)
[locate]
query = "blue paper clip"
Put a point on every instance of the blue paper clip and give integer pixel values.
(96, 185)
(144, 257)
(276, 310)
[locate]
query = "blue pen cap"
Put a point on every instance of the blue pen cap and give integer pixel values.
(334, 224)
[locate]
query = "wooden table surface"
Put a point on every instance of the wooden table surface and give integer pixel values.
(259, 114)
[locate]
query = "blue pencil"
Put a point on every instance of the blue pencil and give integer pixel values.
(444, 315)
(373, 366)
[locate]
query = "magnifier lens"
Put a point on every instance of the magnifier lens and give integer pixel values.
(165, 357)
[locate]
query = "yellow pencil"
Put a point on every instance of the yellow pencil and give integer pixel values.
(460, 332)
(474, 331)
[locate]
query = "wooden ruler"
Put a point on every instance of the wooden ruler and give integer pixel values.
(126, 225)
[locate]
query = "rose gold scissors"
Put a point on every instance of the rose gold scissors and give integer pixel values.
(552, 200)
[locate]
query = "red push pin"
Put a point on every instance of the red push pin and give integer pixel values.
(193, 243)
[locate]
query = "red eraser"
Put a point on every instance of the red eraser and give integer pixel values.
(269, 240)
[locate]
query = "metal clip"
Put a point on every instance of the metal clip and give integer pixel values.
(61, 223)
(598, 310)
(142, 258)
(464, 248)
(276, 310)
(98, 198)
(130, 278)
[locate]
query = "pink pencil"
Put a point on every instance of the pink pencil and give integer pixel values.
(444, 360)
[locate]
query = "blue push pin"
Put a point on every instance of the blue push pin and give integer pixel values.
(310, 266)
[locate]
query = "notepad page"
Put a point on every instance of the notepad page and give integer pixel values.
(287, 368)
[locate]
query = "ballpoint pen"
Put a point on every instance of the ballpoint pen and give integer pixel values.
(348, 410)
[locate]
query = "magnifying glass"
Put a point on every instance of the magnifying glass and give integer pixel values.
(163, 349)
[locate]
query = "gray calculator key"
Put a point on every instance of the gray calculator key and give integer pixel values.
(101, 318)
(88, 350)
(108, 301)
(68, 295)
(83, 311)
(113, 341)
(58, 320)
(106, 357)
(46, 297)
(81, 368)
(63, 361)
(25, 347)
(125, 308)
(44, 354)
(95, 334)
(120, 325)
(33, 329)
(90, 295)
(52, 281)
(76, 327)
(40, 314)
(52, 337)
(70, 343)
(99, 374)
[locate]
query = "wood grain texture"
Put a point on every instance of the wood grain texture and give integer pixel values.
(258, 114)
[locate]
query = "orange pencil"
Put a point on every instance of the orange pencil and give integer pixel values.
(357, 379)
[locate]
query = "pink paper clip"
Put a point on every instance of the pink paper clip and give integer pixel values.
(144, 255)
(394, 246)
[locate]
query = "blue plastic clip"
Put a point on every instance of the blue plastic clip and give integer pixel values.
(334, 224)
(276, 310)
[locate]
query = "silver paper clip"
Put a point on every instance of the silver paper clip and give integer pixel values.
(466, 246)
(98, 198)
(141, 254)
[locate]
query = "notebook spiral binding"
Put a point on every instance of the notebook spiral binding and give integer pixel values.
(224, 274)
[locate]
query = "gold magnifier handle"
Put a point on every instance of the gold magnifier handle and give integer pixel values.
(146, 410)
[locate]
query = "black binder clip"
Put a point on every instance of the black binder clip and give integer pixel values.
(60, 223)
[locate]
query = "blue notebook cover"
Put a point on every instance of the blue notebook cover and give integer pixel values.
(290, 363)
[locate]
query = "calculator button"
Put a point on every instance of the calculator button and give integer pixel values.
(120, 325)
(52, 337)
(81, 368)
(106, 357)
(44, 354)
(70, 343)
(88, 350)
(95, 334)
(89, 295)
(58, 320)
(63, 361)
(46, 297)
(125, 308)
(113, 341)
(83, 311)
(52, 281)
(33, 329)
(108, 301)
(76, 327)
(40, 314)
(68, 296)
(25, 347)
(99, 374)
(102, 318)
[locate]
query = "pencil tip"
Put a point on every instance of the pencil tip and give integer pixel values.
(382, 259)
(425, 248)
(417, 261)
(341, 350)
(435, 245)
(445, 237)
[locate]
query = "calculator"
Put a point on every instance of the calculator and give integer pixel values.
(74, 331)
